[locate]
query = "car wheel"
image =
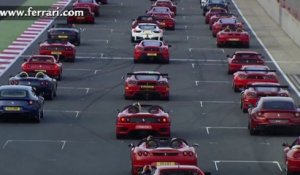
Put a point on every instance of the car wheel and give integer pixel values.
(172, 28)
(167, 61)
(42, 112)
(245, 110)
(219, 45)
(247, 45)
(210, 28)
(214, 35)
(251, 130)
(59, 77)
(229, 72)
(167, 98)
(206, 21)
(127, 97)
(50, 96)
(235, 89)
(119, 136)
(37, 118)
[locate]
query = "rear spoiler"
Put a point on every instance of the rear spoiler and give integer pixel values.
(163, 75)
(256, 70)
(261, 85)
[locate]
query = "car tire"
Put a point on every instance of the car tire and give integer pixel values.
(229, 72)
(119, 136)
(206, 21)
(127, 97)
(247, 45)
(42, 112)
(167, 98)
(37, 119)
(172, 28)
(132, 39)
(235, 89)
(253, 132)
(167, 61)
(210, 28)
(51, 96)
(219, 45)
(59, 77)
(213, 34)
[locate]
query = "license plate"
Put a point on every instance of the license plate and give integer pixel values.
(56, 53)
(62, 36)
(234, 39)
(147, 87)
(279, 121)
(143, 127)
(165, 163)
(40, 70)
(80, 18)
(12, 108)
(151, 54)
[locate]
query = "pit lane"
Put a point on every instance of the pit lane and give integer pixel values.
(83, 114)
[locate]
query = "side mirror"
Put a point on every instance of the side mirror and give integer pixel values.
(131, 145)
(207, 173)
(195, 145)
(227, 56)
(118, 110)
(123, 77)
(249, 109)
(146, 11)
(25, 59)
(132, 19)
(169, 45)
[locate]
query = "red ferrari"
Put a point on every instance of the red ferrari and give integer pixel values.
(161, 151)
(146, 84)
(252, 74)
(166, 20)
(88, 16)
(222, 23)
(43, 63)
(292, 157)
(165, 3)
(274, 113)
(144, 19)
(237, 37)
(216, 17)
(243, 58)
(151, 50)
(213, 11)
(255, 91)
(163, 10)
(143, 119)
(59, 49)
(176, 170)
(94, 6)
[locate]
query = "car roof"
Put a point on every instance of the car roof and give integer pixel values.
(15, 87)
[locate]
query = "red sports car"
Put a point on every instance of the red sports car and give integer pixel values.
(274, 113)
(59, 49)
(43, 63)
(243, 58)
(143, 119)
(162, 151)
(151, 50)
(146, 84)
(252, 74)
(255, 91)
(94, 6)
(216, 17)
(222, 23)
(292, 157)
(166, 20)
(144, 19)
(165, 3)
(88, 16)
(163, 10)
(175, 170)
(237, 37)
(213, 11)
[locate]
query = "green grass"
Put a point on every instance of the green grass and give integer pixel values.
(11, 29)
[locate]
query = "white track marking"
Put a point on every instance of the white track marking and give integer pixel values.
(216, 162)
(206, 49)
(75, 88)
(207, 128)
(66, 111)
(75, 69)
(214, 81)
(50, 141)
(267, 51)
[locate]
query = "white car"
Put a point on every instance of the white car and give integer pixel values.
(146, 31)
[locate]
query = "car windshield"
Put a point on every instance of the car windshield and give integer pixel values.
(152, 77)
(160, 9)
(267, 89)
(42, 59)
(279, 105)
(86, 1)
(145, 18)
(152, 43)
(228, 21)
(179, 172)
(13, 93)
(217, 1)
(247, 56)
(147, 27)
(255, 68)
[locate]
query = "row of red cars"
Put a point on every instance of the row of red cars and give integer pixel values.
(226, 27)
(267, 102)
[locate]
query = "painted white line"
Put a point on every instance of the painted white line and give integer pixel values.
(20, 42)
(187, 38)
(295, 81)
(207, 128)
(11, 55)
(193, 65)
(15, 47)
(98, 40)
(96, 71)
(51, 141)
(24, 39)
(220, 101)
(75, 69)
(75, 88)
(267, 51)
(31, 32)
(212, 81)
(216, 162)
(10, 51)
(34, 29)
(197, 83)
(5, 60)
(66, 111)
(201, 104)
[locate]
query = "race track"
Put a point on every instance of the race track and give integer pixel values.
(77, 134)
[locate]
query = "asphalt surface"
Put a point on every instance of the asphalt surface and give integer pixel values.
(293, 3)
(77, 134)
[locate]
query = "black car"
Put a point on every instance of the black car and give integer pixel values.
(64, 32)
(20, 101)
(213, 3)
(43, 84)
